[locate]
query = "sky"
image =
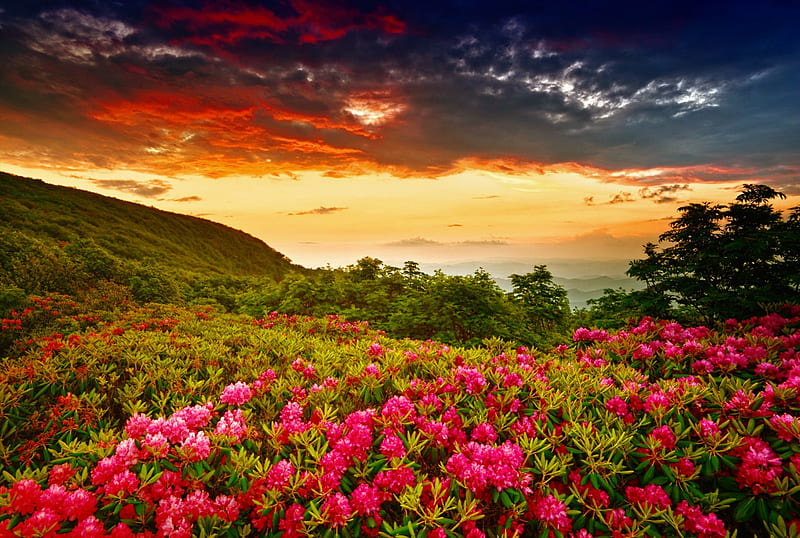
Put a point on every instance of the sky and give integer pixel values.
(439, 131)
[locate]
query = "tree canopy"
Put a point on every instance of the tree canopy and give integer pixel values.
(721, 261)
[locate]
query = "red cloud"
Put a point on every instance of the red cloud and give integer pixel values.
(233, 22)
(212, 137)
(323, 21)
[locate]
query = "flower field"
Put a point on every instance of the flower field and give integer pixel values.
(162, 421)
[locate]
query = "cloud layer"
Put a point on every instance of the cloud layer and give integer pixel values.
(648, 95)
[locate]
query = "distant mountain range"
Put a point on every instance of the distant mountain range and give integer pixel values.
(60, 215)
(583, 279)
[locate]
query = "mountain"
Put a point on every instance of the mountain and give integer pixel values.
(61, 215)
(561, 267)
(583, 279)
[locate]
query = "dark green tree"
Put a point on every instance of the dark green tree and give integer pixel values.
(725, 260)
(543, 302)
(619, 308)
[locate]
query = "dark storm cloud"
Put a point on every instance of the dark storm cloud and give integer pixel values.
(707, 89)
(663, 194)
(660, 195)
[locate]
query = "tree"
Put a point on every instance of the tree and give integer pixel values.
(451, 308)
(725, 260)
(544, 303)
(618, 308)
(366, 268)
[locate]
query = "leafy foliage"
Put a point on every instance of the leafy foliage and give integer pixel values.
(726, 261)
(57, 239)
(180, 422)
(121, 419)
(463, 309)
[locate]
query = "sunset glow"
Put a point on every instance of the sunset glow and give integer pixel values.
(334, 131)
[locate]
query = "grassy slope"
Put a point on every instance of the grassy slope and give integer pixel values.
(133, 231)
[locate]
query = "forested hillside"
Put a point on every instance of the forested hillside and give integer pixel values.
(62, 240)
(51, 213)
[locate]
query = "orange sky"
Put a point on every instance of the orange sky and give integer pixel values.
(333, 131)
(485, 211)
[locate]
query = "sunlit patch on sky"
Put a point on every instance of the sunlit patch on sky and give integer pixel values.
(374, 108)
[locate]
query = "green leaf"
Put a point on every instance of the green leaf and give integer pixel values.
(744, 510)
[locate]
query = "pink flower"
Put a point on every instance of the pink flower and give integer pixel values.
(703, 366)
(124, 482)
(512, 379)
(106, 468)
(279, 476)
(266, 378)
(760, 465)
(684, 468)
(307, 369)
(766, 369)
(583, 334)
(479, 466)
(330, 383)
(80, 504)
(89, 527)
(59, 474)
(395, 480)
(553, 513)
(786, 426)
(392, 447)
(127, 453)
(236, 394)
(651, 494)
(226, 508)
(657, 401)
(174, 429)
(704, 525)
(708, 429)
(292, 522)
(195, 417)
(43, 522)
(336, 510)
(618, 406)
(121, 530)
(157, 444)
(366, 500)
(664, 437)
(169, 484)
(744, 403)
(54, 498)
(25, 496)
(643, 351)
(484, 433)
(398, 409)
(137, 426)
(232, 424)
(196, 446)
(474, 381)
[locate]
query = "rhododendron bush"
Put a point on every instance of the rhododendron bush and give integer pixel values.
(170, 422)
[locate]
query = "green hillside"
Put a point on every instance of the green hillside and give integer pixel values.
(132, 231)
